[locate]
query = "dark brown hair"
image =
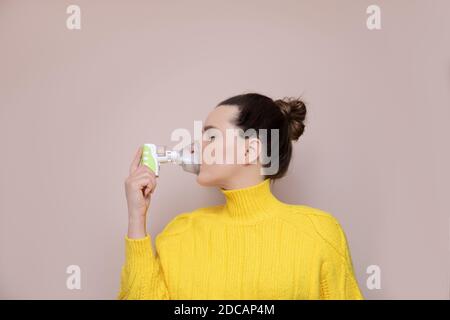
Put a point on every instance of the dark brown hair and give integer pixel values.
(257, 111)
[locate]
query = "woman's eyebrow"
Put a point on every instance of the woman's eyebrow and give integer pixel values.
(208, 127)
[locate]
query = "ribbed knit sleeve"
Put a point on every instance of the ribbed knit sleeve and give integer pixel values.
(142, 276)
(337, 277)
(338, 282)
(350, 285)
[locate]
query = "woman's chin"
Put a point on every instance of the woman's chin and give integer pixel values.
(204, 179)
(201, 179)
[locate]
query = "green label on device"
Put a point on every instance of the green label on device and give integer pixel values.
(149, 157)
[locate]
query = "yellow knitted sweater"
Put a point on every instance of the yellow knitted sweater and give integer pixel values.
(252, 247)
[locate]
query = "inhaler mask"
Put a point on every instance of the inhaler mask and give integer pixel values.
(188, 157)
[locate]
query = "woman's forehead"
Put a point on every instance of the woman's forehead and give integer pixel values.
(221, 117)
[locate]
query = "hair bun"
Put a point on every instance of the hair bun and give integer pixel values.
(294, 110)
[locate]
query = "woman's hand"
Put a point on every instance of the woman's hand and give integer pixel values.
(139, 186)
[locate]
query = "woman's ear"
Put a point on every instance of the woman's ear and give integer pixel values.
(253, 150)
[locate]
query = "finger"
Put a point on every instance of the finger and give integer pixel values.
(146, 170)
(139, 173)
(142, 182)
(154, 184)
(137, 158)
(143, 167)
(147, 191)
(151, 186)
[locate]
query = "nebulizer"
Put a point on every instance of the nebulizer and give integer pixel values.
(188, 157)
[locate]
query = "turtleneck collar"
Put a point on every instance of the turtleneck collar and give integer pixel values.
(251, 203)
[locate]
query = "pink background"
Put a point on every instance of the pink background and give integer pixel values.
(75, 105)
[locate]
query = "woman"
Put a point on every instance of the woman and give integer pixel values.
(251, 247)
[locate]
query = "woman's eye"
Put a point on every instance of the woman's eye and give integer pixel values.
(211, 137)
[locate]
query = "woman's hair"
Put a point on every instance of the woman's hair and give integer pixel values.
(257, 111)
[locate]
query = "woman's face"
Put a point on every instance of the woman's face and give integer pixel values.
(223, 150)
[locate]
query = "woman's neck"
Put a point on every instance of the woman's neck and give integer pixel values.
(250, 203)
